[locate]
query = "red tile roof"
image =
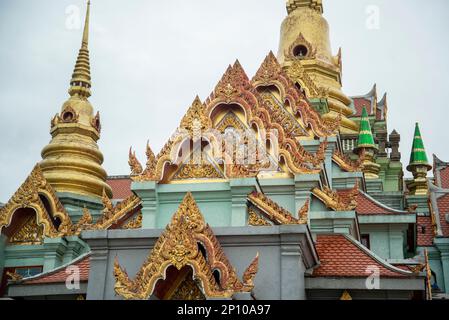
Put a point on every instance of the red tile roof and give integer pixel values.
(443, 209)
(366, 205)
(425, 224)
(121, 187)
(341, 256)
(359, 103)
(444, 174)
(59, 275)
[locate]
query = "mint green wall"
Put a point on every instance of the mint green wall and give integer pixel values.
(52, 254)
(386, 240)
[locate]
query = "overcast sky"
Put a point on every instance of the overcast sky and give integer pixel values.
(150, 58)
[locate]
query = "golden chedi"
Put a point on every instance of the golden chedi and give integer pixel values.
(305, 53)
(72, 161)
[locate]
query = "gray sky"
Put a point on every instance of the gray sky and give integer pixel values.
(150, 58)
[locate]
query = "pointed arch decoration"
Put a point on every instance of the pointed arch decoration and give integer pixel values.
(29, 196)
(178, 247)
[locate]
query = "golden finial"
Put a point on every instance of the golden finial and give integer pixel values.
(81, 80)
(85, 42)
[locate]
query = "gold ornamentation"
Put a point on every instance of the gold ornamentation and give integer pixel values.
(188, 290)
(14, 276)
(112, 215)
(345, 296)
(334, 201)
(255, 220)
(205, 170)
(29, 196)
(303, 213)
(135, 223)
(250, 273)
(134, 164)
(178, 247)
(275, 213)
(344, 162)
(196, 121)
(300, 41)
(30, 234)
(68, 115)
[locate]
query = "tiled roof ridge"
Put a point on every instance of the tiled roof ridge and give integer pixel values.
(434, 188)
(382, 205)
(57, 269)
(118, 177)
(371, 94)
(376, 258)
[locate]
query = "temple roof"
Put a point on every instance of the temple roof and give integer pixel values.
(121, 187)
(59, 275)
(418, 155)
(342, 256)
(367, 205)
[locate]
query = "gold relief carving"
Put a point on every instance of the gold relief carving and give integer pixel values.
(134, 164)
(255, 220)
(188, 290)
(28, 196)
(303, 213)
(14, 276)
(274, 212)
(68, 115)
(112, 215)
(135, 223)
(96, 122)
(178, 247)
(149, 174)
(345, 296)
(334, 201)
(192, 170)
(30, 234)
(196, 121)
(250, 273)
(344, 162)
(290, 54)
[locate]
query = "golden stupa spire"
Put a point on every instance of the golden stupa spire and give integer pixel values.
(81, 80)
(72, 160)
(313, 4)
(306, 55)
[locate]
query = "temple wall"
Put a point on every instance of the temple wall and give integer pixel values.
(283, 251)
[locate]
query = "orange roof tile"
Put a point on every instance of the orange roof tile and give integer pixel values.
(341, 256)
(59, 275)
(425, 239)
(121, 187)
(367, 205)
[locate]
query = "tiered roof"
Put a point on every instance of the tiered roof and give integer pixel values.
(342, 256)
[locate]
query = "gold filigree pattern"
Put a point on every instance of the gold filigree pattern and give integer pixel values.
(344, 162)
(14, 276)
(303, 213)
(29, 196)
(255, 220)
(333, 199)
(178, 247)
(290, 54)
(30, 234)
(274, 212)
(188, 290)
(112, 215)
(134, 164)
(205, 170)
(135, 223)
(195, 121)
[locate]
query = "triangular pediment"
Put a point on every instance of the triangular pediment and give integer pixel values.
(37, 194)
(179, 247)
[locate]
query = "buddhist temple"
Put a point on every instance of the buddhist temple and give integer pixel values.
(277, 186)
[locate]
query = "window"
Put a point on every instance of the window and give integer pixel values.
(364, 239)
(28, 271)
(300, 51)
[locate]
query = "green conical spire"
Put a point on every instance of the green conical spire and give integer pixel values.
(366, 139)
(418, 156)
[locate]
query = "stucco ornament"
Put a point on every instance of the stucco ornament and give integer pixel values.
(178, 246)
